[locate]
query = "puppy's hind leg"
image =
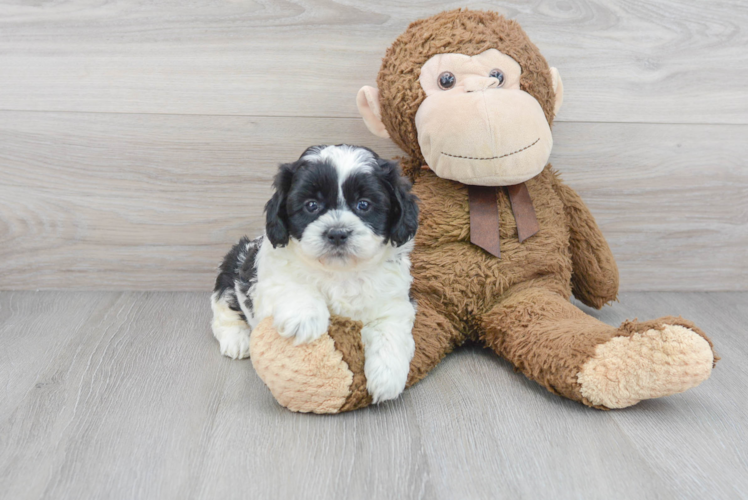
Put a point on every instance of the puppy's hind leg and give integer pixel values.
(232, 310)
(229, 326)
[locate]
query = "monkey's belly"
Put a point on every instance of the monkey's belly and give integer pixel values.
(451, 271)
(469, 280)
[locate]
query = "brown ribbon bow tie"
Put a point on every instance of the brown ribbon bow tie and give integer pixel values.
(484, 215)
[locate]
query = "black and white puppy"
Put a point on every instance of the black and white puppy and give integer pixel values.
(339, 231)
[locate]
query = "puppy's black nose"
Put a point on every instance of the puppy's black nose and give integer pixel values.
(338, 237)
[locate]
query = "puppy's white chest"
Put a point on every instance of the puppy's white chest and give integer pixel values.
(349, 298)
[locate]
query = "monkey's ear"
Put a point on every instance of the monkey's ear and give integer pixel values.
(367, 101)
(558, 89)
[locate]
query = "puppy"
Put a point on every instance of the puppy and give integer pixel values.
(339, 231)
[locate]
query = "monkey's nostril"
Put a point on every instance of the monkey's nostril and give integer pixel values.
(338, 237)
(479, 83)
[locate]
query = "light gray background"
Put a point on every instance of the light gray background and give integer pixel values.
(138, 139)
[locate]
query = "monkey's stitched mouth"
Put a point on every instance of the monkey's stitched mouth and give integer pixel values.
(493, 157)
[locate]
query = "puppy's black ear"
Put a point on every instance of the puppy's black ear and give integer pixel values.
(403, 221)
(276, 217)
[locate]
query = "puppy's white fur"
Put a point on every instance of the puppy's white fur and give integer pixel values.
(299, 285)
(300, 294)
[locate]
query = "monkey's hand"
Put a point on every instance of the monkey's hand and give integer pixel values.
(594, 277)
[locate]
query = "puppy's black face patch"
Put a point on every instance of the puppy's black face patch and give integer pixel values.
(342, 180)
(314, 192)
(366, 195)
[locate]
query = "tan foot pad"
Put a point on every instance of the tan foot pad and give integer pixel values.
(646, 365)
(305, 378)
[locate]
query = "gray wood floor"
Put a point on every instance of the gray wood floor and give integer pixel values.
(124, 395)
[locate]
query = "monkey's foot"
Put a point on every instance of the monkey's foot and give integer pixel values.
(652, 363)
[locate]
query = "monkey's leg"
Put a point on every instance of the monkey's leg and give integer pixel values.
(435, 336)
(577, 356)
(327, 375)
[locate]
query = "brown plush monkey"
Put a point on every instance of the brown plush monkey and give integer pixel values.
(503, 243)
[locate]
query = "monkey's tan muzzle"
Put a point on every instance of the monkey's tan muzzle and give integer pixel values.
(484, 136)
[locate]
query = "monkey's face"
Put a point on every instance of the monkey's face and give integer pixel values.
(476, 126)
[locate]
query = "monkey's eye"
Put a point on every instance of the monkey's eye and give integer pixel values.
(498, 74)
(311, 206)
(363, 205)
(446, 80)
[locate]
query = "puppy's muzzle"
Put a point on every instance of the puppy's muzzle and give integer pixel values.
(337, 237)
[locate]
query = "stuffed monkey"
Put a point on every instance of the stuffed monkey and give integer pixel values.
(503, 243)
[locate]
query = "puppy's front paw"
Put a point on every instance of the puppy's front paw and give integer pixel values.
(385, 379)
(305, 323)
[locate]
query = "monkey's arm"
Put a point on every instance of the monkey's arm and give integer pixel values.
(595, 274)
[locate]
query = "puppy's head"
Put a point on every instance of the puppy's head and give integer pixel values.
(341, 205)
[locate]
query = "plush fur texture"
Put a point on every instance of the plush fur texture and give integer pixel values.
(518, 305)
(645, 365)
(339, 230)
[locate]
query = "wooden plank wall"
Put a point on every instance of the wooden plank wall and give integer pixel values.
(137, 140)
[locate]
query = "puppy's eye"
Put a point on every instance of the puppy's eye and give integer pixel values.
(311, 206)
(498, 74)
(446, 80)
(363, 206)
